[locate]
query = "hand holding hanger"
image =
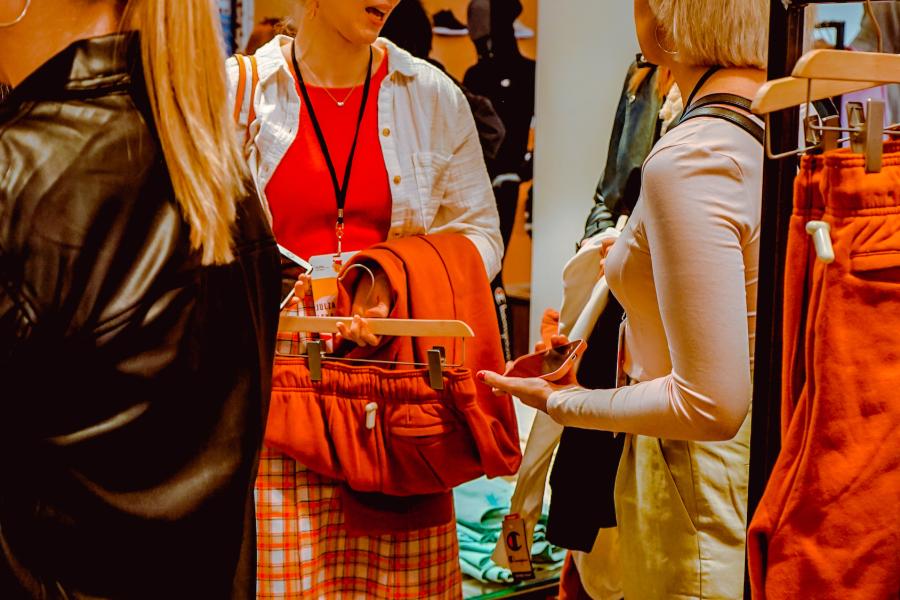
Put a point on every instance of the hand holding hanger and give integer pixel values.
(371, 299)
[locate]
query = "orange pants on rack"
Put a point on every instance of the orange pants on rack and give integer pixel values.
(828, 525)
(799, 261)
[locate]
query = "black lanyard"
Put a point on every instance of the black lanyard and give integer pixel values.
(340, 191)
(709, 73)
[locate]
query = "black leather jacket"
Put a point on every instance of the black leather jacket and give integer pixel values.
(134, 381)
(635, 130)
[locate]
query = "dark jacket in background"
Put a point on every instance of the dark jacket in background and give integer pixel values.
(135, 381)
(635, 130)
(582, 500)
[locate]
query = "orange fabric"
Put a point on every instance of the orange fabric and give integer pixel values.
(549, 325)
(419, 445)
(570, 586)
(424, 441)
(241, 88)
(443, 277)
(800, 257)
(828, 525)
(305, 551)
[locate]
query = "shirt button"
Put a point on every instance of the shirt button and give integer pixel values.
(386, 132)
(396, 180)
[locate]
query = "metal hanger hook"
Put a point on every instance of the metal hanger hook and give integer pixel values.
(367, 270)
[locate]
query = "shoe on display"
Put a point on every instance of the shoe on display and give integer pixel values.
(446, 23)
(522, 32)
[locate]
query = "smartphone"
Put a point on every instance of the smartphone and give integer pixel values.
(551, 365)
(289, 275)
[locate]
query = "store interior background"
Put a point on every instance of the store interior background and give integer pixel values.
(583, 49)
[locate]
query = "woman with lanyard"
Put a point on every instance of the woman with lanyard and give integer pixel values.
(685, 270)
(355, 142)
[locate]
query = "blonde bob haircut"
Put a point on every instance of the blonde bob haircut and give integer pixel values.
(729, 33)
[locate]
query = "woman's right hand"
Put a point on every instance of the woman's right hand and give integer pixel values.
(605, 247)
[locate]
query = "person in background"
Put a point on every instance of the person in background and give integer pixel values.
(417, 168)
(507, 79)
(139, 289)
(685, 270)
(409, 27)
(887, 15)
(263, 33)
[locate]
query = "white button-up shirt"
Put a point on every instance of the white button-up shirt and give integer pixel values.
(438, 179)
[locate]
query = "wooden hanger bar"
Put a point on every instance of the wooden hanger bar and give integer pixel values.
(392, 327)
(788, 92)
(845, 65)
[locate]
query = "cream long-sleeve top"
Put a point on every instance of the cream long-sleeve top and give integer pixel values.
(685, 270)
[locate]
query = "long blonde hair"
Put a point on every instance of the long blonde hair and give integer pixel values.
(182, 54)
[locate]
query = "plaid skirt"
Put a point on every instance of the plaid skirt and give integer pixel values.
(305, 553)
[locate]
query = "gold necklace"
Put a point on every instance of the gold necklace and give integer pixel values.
(340, 103)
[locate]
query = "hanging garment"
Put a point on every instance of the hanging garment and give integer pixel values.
(828, 524)
(799, 262)
(423, 441)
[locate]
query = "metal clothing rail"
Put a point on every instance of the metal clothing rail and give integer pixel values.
(786, 41)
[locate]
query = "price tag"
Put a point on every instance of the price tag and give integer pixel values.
(518, 548)
(324, 281)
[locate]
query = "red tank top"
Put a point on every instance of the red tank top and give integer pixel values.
(301, 194)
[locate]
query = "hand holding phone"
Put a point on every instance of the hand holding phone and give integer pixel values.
(552, 364)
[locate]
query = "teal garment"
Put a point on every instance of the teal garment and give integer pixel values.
(481, 506)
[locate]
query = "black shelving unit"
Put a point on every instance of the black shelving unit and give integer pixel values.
(786, 37)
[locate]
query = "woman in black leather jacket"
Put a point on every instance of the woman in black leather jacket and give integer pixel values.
(138, 306)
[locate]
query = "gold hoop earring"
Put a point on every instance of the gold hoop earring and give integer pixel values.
(21, 16)
(661, 47)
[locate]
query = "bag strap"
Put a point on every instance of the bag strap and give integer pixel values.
(243, 63)
(712, 106)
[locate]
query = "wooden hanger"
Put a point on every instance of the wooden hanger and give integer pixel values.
(823, 73)
(788, 92)
(391, 327)
(845, 65)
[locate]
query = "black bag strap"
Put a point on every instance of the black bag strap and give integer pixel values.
(712, 106)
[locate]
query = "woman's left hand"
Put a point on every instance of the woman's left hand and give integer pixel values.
(532, 391)
(368, 301)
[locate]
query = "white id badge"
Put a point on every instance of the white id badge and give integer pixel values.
(325, 269)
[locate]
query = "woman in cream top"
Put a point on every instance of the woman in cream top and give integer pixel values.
(685, 269)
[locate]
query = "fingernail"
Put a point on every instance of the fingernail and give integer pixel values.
(480, 375)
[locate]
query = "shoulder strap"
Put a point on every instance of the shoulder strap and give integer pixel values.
(717, 106)
(240, 97)
(241, 87)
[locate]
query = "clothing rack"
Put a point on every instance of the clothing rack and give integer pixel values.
(786, 41)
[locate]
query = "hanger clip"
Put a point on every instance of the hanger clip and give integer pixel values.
(436, 368)
(830, 134)
(873, 133)
(856, 119)
(812, 130)
(314, 359)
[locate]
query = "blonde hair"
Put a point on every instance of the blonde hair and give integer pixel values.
(182, 55)
(729, 33)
